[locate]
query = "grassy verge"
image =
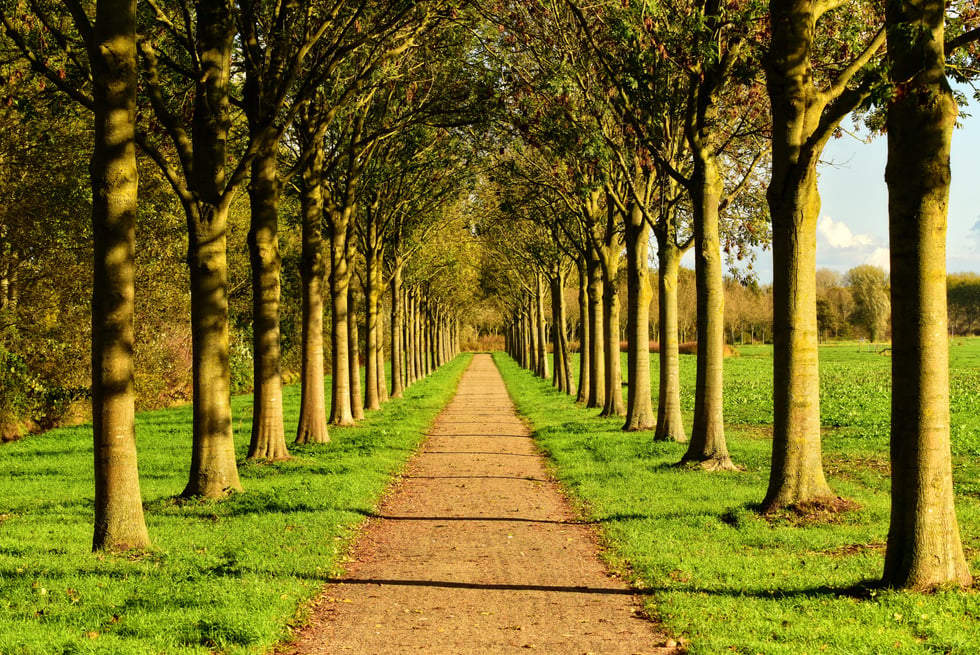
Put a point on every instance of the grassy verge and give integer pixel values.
(225, 577)
(727, 580)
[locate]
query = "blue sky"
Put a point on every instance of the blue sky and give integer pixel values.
(853, 227)
(853, 224)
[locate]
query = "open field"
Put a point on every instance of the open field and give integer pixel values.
(724, 578)
(221, 577)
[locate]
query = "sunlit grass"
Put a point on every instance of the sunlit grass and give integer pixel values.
(724, 578)
(225, 576)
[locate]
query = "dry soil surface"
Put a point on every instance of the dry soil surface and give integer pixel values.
(475, 550)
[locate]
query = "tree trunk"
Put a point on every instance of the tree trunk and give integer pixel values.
(380, 354)
(639, 399)
(214, 470)
(542, 328)
(707, 445)
(411, 355)
(372, 296)
(341, 412)
(585, 337)
(597, 368)
(354, 355)
(531, 325)
(563, 378)
(418, 339)
(119, 522)
(268, 433)
(797, 474)
(313, 409)
(397, 333)
(670, 422)
(613, 405)
(924, 549)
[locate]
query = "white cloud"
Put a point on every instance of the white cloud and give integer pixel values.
(838, 235)
(880, 257)
(838, 247)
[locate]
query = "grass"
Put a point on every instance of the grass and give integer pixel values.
(725, 579)
(226, 577)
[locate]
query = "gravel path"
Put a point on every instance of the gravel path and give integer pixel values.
(475, 550)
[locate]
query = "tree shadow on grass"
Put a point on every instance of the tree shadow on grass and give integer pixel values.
(865, 590)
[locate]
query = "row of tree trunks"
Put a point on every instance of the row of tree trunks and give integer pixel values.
(562, 379)
(423, 339)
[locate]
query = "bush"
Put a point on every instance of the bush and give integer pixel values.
(29, 403)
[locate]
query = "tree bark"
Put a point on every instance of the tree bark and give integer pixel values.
(707, 445)
(794, 203)
(639, 398)
(313, 409)
(372, 296)
(541, 327)
(563, 378)
(268, 432)
(397, 333)
(613, 405)
(670, 422)
(214, 470)
(341, 412)
(597, 367)
(354, 356)
(924, 549)
(585, 336)
(119, 522)
(797, 471)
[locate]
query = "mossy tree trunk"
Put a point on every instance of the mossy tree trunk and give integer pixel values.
(639, 401)
(268, 440)
(708, 446)
(312, 427)
(341, 408)
(397, 332)
(804, 118)
(541, 327)
(563, 378)
(585, 335)
(613, 404)
(670, 422)
(597, 368)
(354, 354)
(924, 549)
(214, 470)
(119, 521)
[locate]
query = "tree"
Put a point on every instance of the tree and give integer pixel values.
(187, 137)
(119, 519)
(924, 548)
(814, 80)
(869, 288)
(963, 296)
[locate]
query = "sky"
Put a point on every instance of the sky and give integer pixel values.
(853, 224)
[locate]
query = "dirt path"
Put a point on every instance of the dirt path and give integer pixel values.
(476, 551)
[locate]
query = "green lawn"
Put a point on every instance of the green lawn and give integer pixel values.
(223, 577)
(724, 578)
